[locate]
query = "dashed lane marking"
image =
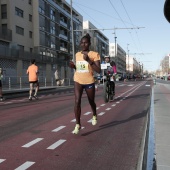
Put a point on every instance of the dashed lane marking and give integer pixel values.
(89, 121)
(74, 120)
(26, 165)
(59, 128)
(101, 113)
(8, 102)
(32, 143)
(108, 108)
(87, 113)
(102, 104)
(113, 105)
(2, 160)
(56, 144)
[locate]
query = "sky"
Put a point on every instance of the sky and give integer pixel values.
(148, 40)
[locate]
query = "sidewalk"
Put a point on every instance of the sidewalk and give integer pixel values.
(162, 125)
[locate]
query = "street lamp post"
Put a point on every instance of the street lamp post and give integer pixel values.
(72, 29)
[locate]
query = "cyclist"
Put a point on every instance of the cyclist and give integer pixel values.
(111, 68)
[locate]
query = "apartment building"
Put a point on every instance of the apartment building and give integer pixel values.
(99, 42)
(133, 66)
(118, 55)
(39, 29)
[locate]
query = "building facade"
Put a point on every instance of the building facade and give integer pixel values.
(118, 55)
(39, 29)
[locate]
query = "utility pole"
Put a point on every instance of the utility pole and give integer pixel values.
(115, 48)
(128, 60)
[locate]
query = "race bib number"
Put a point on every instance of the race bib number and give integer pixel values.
(82, 66)
(111, 79)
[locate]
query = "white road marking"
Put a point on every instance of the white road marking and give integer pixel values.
(131, 85)
(8, 102)
(56, 144)
(97, 108)
(147, 85)
(102, 104)
(122, 85)
(2, 160)
(90, 121)
(26, 165)
(32, 143)
(59, 128)
(108, 108)
(101, 113)
(117, 102)
(73, 120)
(87, 113)
(113, 105)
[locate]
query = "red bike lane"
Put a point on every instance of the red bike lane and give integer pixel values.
(114, 143)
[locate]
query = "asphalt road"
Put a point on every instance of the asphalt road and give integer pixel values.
(37, 135)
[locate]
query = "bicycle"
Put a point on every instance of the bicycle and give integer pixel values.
(107, 89)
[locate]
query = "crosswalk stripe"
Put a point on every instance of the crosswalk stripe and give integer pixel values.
(59, 128)
(56, 144)
(26, 165)
(108, 108)
(73, 120)
(32, 143)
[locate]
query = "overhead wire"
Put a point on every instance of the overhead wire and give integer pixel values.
(131, 23)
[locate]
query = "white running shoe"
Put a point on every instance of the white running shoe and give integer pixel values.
(76, 129)
(30, 98)
(94, 120)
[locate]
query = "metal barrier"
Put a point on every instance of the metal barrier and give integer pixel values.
(9, 83)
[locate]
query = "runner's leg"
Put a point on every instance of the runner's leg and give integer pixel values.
(78, 91)
(91, 96)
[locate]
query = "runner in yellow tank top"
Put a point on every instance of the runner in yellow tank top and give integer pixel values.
(86, 62)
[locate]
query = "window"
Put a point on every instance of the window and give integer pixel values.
(31, 50)
(21, 48)
(4, 11)
(4, 29)
(19, 12)
(30, 2)
(30, 17)
(19, 30)
(52, 14)
(30, 34)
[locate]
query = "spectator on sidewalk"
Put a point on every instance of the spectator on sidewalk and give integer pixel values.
(59, 82)
(1, 76)
(32, 72)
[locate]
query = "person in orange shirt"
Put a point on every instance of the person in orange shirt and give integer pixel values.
(32, 72)
(86, 63)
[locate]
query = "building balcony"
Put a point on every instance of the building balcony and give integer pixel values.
(63, 36)
(5, 34)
